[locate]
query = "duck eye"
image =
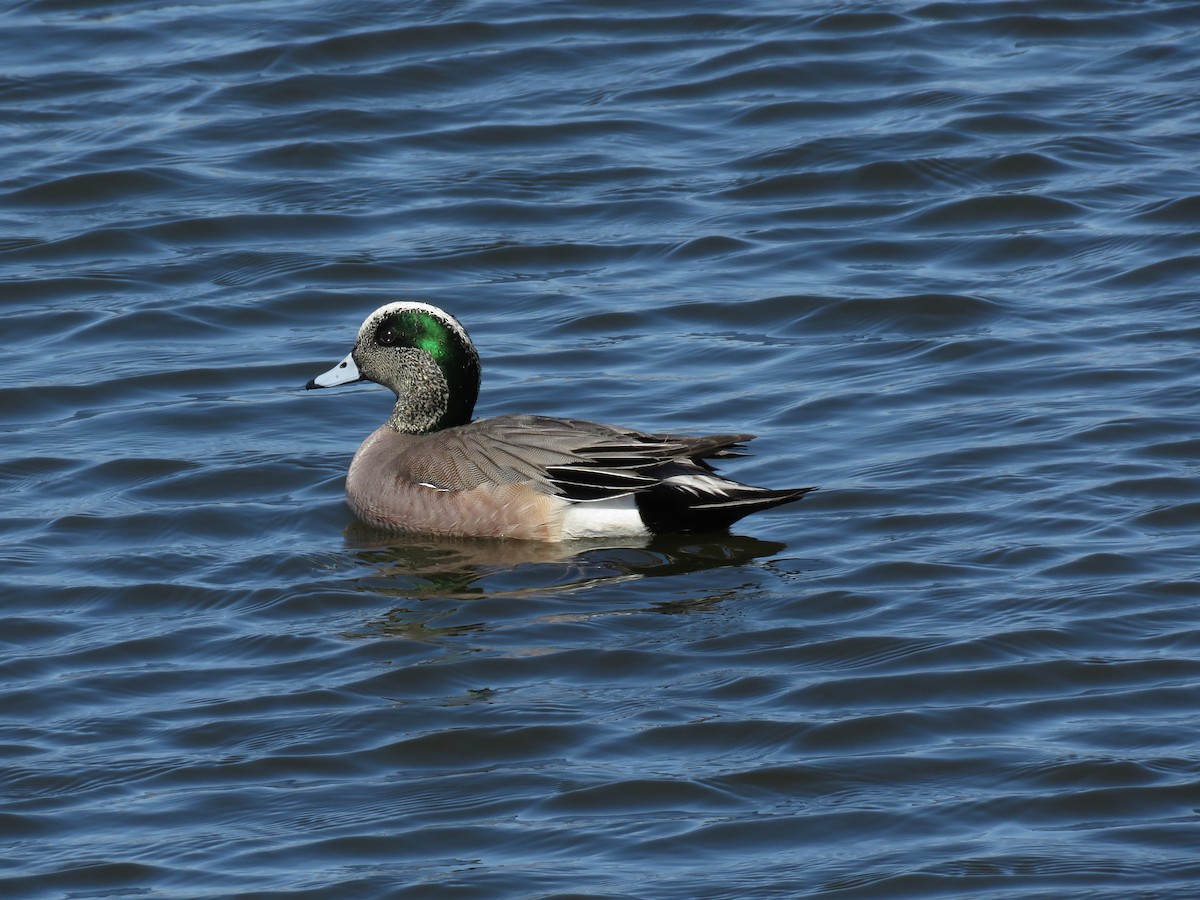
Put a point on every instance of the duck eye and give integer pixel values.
(387, 336)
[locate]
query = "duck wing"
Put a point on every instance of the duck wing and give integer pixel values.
(574, 458)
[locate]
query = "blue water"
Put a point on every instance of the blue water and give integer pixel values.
(942, 257)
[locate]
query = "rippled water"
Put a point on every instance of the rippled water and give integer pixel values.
(942, 257)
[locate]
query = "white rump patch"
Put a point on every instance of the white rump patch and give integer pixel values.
(617, 517)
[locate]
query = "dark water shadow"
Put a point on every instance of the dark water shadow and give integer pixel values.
(424, 567)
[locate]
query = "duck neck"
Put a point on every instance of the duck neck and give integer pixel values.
(430, 402)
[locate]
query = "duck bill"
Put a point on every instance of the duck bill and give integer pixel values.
(345, 372)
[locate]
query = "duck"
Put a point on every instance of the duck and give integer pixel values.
(432, 468)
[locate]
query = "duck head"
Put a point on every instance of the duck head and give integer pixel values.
(424, 355)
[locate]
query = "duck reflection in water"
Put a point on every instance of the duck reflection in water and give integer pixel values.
(444, 589)
(417, 566)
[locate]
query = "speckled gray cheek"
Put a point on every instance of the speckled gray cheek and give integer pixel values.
(421, 408)
(422, 393)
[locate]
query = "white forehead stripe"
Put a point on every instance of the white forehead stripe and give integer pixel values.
(401, 305)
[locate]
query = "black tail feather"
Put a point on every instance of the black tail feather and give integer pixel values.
(667, 508)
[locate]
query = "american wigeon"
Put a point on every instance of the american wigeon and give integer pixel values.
(432, 468)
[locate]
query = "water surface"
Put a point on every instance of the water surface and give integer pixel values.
(941, 257)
